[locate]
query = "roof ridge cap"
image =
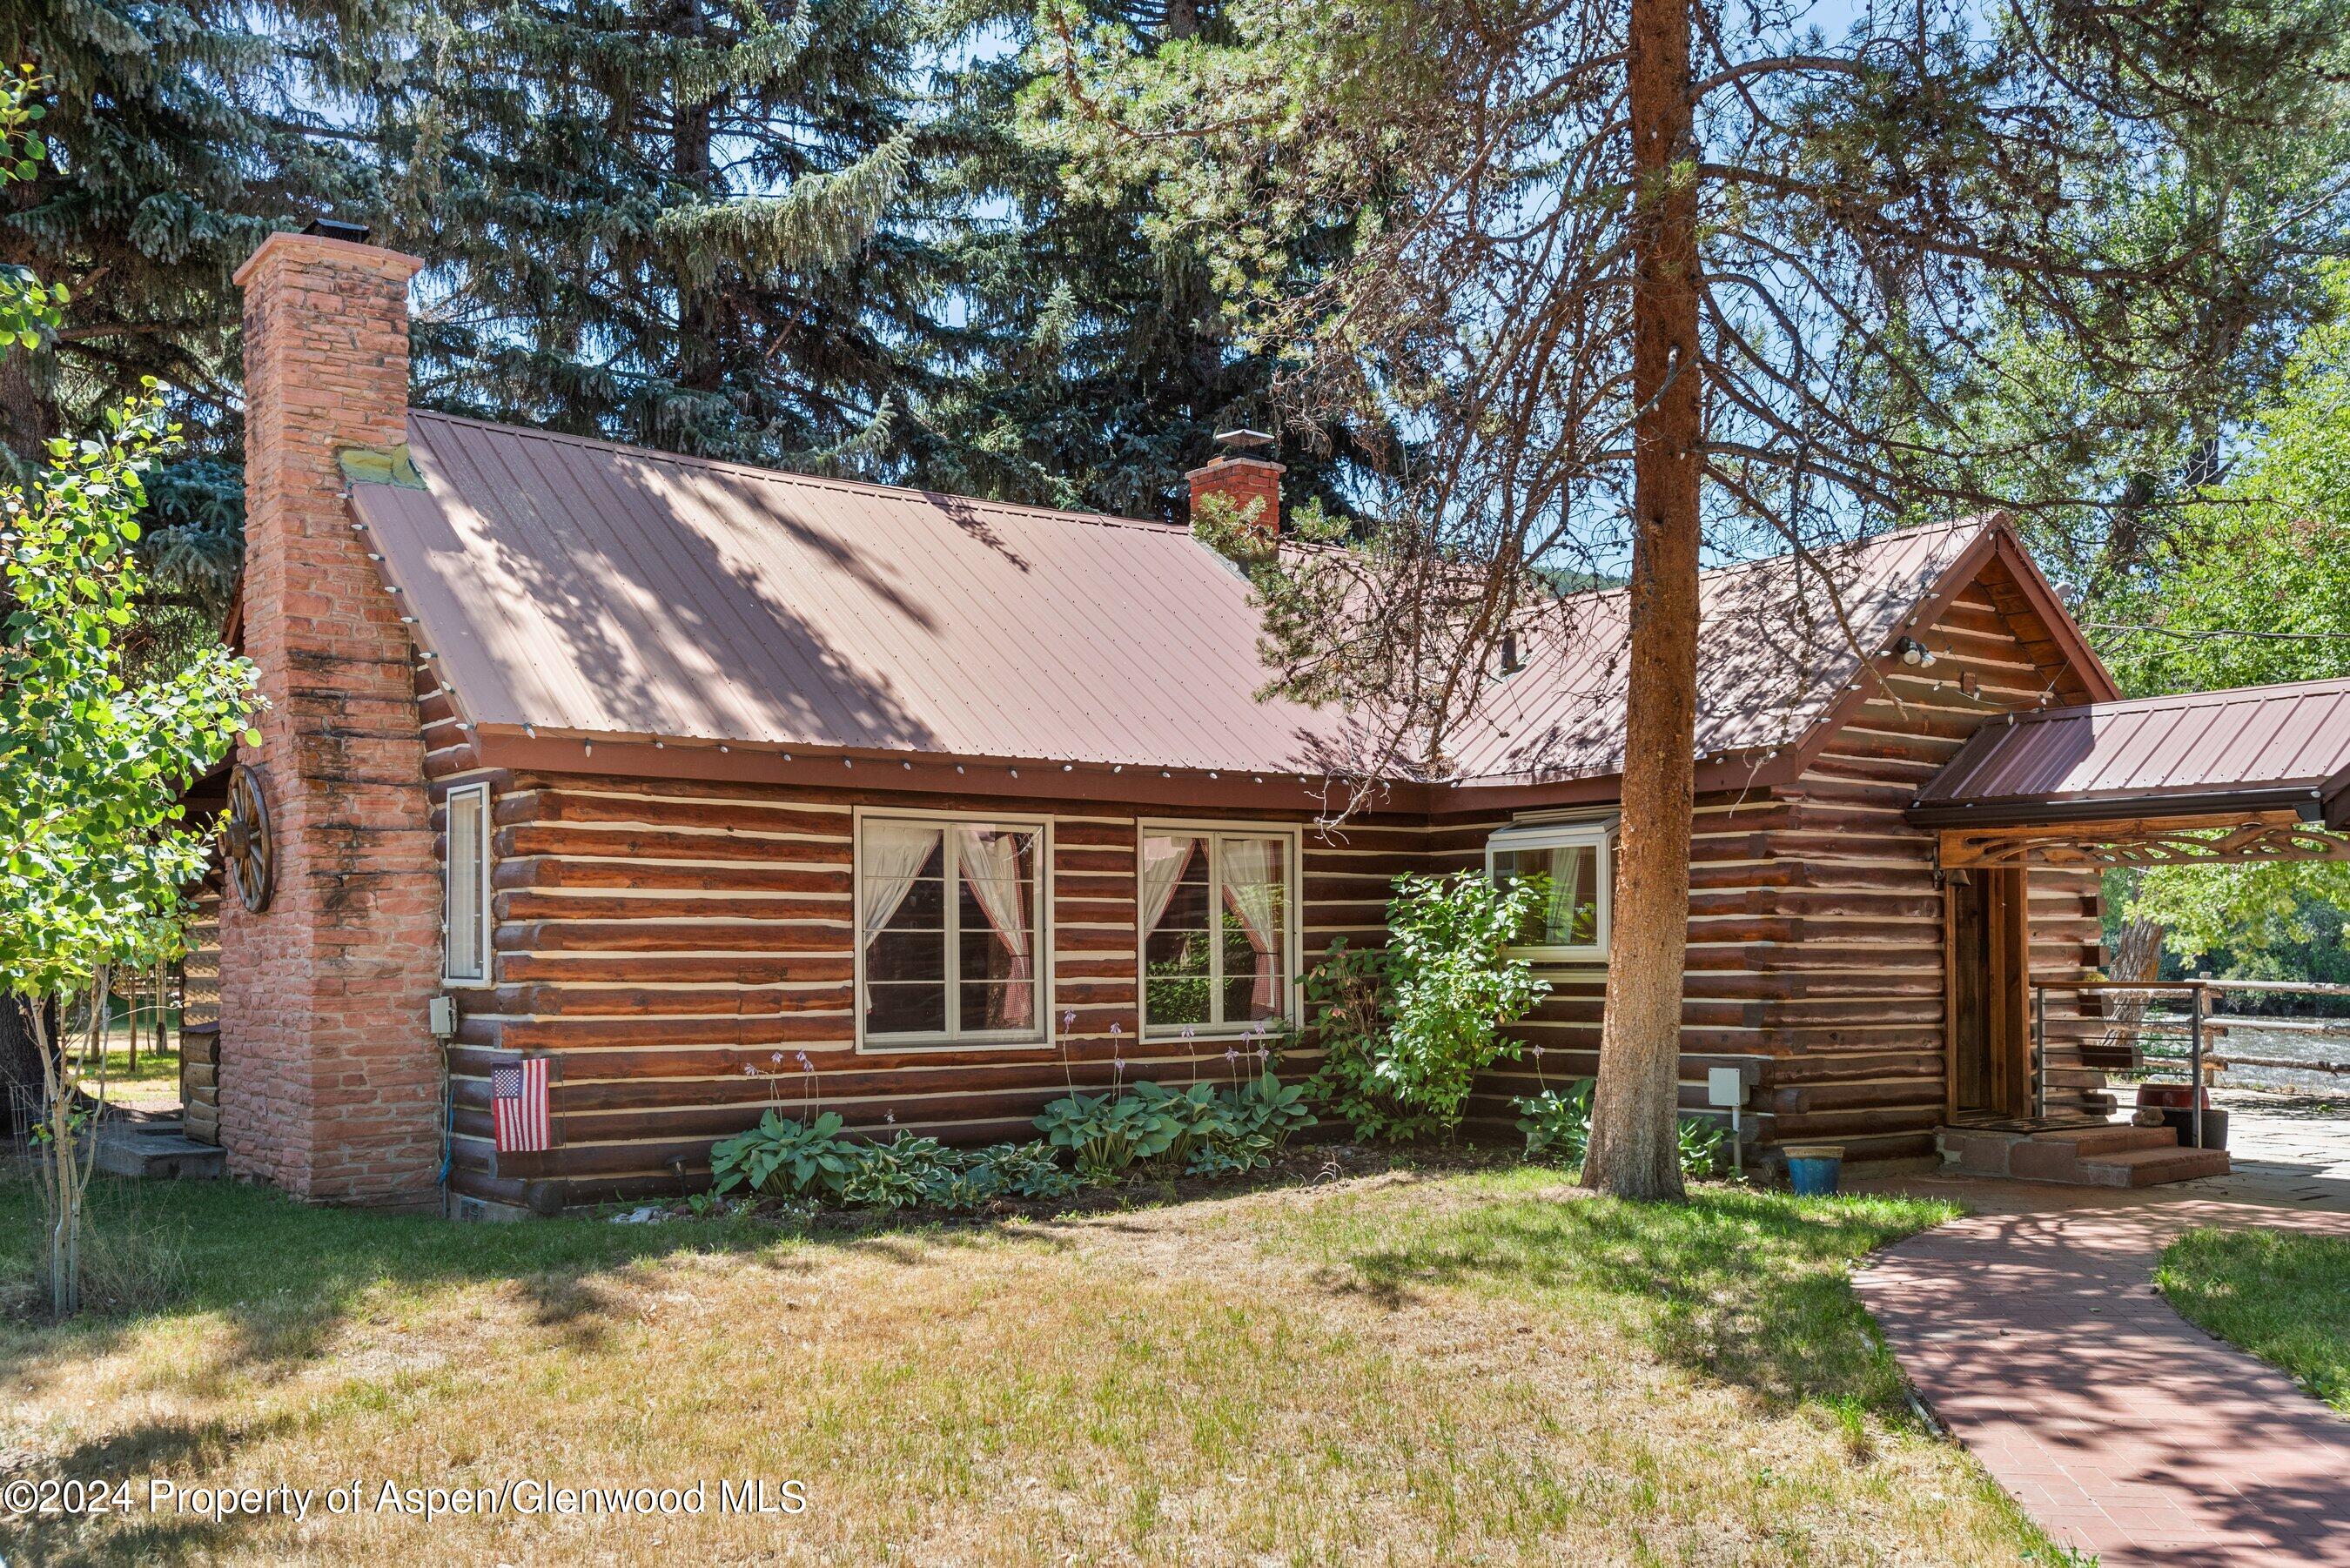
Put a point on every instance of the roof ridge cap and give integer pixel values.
(2214, 695)
(791, 476)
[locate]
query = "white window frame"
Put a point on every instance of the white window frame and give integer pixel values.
(479, 792)
(1039, 1038)
(1599, 836)
(1293, 940)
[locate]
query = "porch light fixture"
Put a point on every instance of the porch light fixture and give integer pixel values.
(1914, 653)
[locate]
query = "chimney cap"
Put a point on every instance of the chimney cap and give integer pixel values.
(1243, 440)
(338, 229)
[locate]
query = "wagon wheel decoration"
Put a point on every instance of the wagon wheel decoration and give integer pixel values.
(247, 845)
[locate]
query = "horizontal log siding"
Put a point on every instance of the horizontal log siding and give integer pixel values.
(1817, 920)
(666, 943)
(659, 939)
(448, 744)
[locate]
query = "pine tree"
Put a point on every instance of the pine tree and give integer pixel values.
(1095, 360)
(674, 223)
(180, 134)
(1658, 266)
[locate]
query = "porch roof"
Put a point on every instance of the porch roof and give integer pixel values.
(2235, 754)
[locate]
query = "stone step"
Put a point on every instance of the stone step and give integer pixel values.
(2153, 1167)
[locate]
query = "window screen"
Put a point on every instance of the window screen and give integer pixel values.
(947, 914)
(465, 924)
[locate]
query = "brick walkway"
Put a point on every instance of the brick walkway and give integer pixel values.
(2033, 1331)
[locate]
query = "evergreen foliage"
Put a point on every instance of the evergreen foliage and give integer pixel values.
(1096, 361)
(180, 134)
(694, 226)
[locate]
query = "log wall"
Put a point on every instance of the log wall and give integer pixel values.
(677, 948)
(1816, 913)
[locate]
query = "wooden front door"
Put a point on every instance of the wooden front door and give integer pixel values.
(1987, 947)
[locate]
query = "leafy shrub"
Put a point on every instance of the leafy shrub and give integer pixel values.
(1346, 997)
(783, 1157)
(962, 1185)
(1409, 1029)
(1198, 1130)
(1558, 1127)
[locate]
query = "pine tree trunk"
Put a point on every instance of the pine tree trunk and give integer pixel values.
(1635, 1150)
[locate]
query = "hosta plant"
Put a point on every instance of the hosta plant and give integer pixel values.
(1029, 1170)
(783, 1157)
(1267, 1106)
(1105, 1134)
(906, 1172)
(1229, 1149)
(1703, 1144)
(1558, 1127)
(1192, 1116)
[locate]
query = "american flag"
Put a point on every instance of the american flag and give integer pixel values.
(518, 1106)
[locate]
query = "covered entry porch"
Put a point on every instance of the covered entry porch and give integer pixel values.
(2216, 778)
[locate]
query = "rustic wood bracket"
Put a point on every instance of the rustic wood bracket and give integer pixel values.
(2152, 841)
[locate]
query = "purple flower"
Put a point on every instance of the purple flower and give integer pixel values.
(1069, 1019)
(890, 1116)
(1116, 1029)
(1231, 1054)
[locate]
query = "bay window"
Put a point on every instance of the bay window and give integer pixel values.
(948, 939)
(1218, 914)
(1575, 865)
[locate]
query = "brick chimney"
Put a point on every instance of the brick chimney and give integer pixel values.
(1241, 480)
(330, 1079)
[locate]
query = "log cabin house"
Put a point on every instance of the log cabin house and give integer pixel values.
(723, 787)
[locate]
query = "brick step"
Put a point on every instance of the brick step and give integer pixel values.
(2115, 1139)
(2110, 1155)
(2153, 1167)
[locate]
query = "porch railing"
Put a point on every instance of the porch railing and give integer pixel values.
(2175, 1041)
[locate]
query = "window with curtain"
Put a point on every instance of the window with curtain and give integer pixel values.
(1573, 863)
(1217, 908)
(464, 888)
(947, 931)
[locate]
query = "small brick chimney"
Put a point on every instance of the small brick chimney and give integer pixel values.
(1241, 479)
(330, 1079)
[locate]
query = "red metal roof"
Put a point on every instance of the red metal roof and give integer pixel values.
(2254, 748)
(1771, 657)
(579, 587)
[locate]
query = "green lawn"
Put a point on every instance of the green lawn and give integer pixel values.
(2282, 1295)
(1421, 1367)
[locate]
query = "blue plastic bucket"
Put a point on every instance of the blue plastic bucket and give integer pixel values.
(1813, 1169)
